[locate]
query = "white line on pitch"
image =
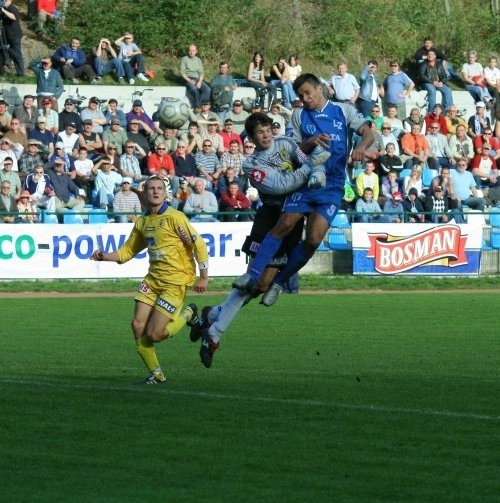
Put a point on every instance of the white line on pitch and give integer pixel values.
(289, 401)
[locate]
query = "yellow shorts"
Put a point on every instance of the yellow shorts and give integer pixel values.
(168, 302)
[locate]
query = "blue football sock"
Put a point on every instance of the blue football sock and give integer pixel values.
(298, 258)
(267, 250)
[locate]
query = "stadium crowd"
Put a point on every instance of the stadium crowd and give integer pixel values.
(101, 156)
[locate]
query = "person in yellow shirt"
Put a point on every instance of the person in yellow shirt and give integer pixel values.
(171, 242)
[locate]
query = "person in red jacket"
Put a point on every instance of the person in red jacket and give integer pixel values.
(160, 159)
(234, 201)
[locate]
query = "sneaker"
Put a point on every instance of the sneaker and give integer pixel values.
(207, 349)
(152, 380)
(142, 77)
(193, 310)
(121, 80)
(131, 81)
(271, 296)
(245, 283)
(203, 323)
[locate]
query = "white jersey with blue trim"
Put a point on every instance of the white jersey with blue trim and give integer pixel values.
(334, 119)
(277, 171)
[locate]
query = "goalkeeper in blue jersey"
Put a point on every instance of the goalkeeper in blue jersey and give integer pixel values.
(171, 242)
(320, 123)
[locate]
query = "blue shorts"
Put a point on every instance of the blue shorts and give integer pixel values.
(325, 202)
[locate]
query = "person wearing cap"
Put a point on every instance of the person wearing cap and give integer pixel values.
(181, 194)
(192, 72)
(12, 36)
(131, 57)
(6, 151)
(107, 180)
(115, 135)
(114, 113)
(434, 79)
(484, 168)
(8, 203)
(413, 207)
(8, 174)
(27, 212)
(27, 113)
(90, 140)
(126, 203)
(238, 115)
(30, 157)
(222, 87)
(71, 61)
(94, 114)
(479, 121)
(69, 139)
(437, 208)
(70, 115)
(49, 115)
(276, 129)
(146, 124)
(107, 61)
(67, 159)
(49, 83)
(393, 209)
(205, 114)
(64, 188)
(228, 135)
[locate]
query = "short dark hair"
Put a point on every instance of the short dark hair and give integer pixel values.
(257, 119)
(112, 100)
(310, 78)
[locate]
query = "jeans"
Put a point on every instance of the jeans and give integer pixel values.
(446, 96)
(115, 64)
(286, 91)
(475, 91)
(129, 66)
(198, 95)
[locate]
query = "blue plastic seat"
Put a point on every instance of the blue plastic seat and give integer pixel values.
(427, 176)
(341, 221)
(49, 218)
(337, 240)
(495, 239)
(404, 172)
(98, 216)
(70, 217)
(495, 217)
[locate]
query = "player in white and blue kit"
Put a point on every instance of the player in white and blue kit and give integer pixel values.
(327, 125)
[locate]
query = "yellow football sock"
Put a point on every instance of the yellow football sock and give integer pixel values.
(175, 325)
(147, 352)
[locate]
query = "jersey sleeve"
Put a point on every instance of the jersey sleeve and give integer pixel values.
(134, 244)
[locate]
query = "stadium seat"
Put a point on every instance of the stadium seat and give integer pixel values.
(427, 176)
(495, 217)
(340, 221)
(495, 239)
(337, 240)
(49, 218)
(70, 217)
(357, 171)
(98, 216)
(404, 172)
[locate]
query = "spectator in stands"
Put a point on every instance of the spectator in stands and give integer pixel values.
(50, 115)
(192, 72)
(69, 139)
(107, 181)
(473, 76)
(116, 135)
(169, 139)
(487, 137)
(390, 185)
(393, 209)
(36, 184)
(26, 113)
(217, 143)
(131, 57)
(294, 68)
(107, 61)
(437, 208)
(484, 168)
(6, 151)
(279, 114)
(228, 135)
(391, 117)
(201, 205)
(368, 179)
(453, 120)
(160, 159)
(26, 211)
(146, 123)
(83, 171)
(388, 136)
(343, 86)
(139, 139)
(414, 118)
(70, 116)
(64, 186)
(184, 164)
(12, 35)
(49, 83)
(113, 113)
(434, 79)
(465, 188)
(461, 144)
(181, 194)
(205, 114)
(228, 177)
(492, 81)
(94, 114)
(421, 56)
(5, 116)
(376, 117)
(415, 147)
(17, 136)
(436, 115)
(414, 181)
(90, 140)
(238, 115)
(208, 165)
(45, 137)
(256, 77)
(479, 121)
(397, 88)
(30, 157)
(112, 153)
(126, 203)
(222, 87)
(413, 207)
(367, 208)
(445, 181)
(8, 203)
(233, 201)
(280, 79)
(440, 153)
(7, 174)
(389, 161)
(372, 152)
(129, 162)
(233, 158)
(45, 10)
(71, 61)
(193, 138)
(67, 159)
(370, 89)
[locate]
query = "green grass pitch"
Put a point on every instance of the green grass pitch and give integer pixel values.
(321, 398)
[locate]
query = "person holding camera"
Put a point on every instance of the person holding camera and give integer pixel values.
(107, 61)
(13, 34)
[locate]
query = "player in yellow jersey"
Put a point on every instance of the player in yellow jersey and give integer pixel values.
(171, 242)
